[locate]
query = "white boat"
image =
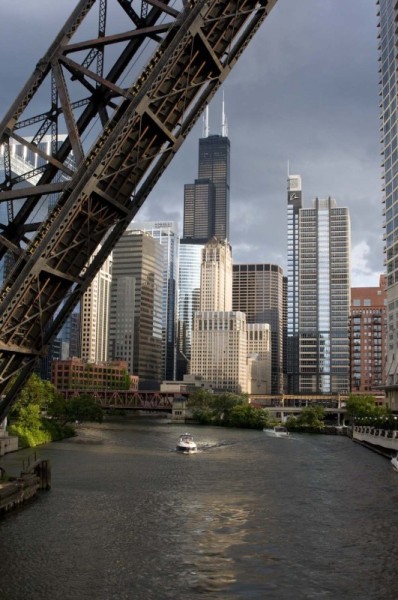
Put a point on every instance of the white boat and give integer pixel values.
(186, 444)
(394, 462)
(277, 431)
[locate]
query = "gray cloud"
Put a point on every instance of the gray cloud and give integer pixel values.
(305, 91)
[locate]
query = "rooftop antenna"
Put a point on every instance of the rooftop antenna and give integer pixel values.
(224, 124)
(206, 128)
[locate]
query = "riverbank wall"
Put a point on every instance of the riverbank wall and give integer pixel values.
(15, 491)
(382, 441)
(8, 443)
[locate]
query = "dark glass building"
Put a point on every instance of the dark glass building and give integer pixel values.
(258, 291)
(206, 202)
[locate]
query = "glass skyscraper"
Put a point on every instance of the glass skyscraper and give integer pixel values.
(190, 260)
(324, 298)
(388, 65)
(294, 204)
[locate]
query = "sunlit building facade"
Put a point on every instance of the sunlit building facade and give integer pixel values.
(216, 276)
(166, 233)
(95, 315)
(259, 358)
(137, 277)
(219, 350)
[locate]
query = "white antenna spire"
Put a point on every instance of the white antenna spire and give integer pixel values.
(224, 124)
(206, 128)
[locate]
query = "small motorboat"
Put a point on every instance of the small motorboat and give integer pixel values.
(186, 444)
(394, 462)
(277, 431)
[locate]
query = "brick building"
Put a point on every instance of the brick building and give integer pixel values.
(368, 326)
(76, 374)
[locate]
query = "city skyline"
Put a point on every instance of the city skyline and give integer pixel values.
(305, 93)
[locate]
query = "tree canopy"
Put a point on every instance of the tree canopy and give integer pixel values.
(365, 408)
(226, 409)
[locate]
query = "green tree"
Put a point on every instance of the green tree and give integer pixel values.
(246, 415)
(311, 419)
(200, 398)
(360, 406)
(224, 403)
(312, 416)
(364, 409)
(79, 408)
(37, 392)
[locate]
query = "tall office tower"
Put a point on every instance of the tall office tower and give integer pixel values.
(368, 326)
(190, 260)
(166, 233)
(294, 204)
(259, 362)
(219, 337)
(95, 315)
(136, 306)
(216, 276)
(199, 202)
(219, 349)
(206, 202)
(388, 65)
(258, 292)
(324, 298)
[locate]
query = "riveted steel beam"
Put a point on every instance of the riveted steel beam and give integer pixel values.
(132, 150)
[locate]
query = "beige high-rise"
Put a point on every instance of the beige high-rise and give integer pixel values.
(95, 315)
(216, 276)
(219, 338)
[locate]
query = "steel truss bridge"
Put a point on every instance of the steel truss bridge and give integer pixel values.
(129, 399)
(125, 80)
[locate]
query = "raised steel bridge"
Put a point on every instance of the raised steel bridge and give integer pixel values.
(125, 80)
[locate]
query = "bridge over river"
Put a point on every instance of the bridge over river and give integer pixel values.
(162, 401)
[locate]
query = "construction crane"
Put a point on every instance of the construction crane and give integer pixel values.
(126, 81)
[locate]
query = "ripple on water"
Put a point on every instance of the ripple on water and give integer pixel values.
(247, 518)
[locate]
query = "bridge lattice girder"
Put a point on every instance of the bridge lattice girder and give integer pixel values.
(141, 127)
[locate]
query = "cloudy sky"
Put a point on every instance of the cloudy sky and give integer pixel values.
(304, 91)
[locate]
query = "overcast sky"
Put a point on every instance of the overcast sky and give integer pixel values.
(304, 91)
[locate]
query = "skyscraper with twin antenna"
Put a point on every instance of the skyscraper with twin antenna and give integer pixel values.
(206, 201)
(206, 217)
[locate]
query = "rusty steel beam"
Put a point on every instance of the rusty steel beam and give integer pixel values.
(116, 176)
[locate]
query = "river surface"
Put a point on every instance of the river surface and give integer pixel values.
(247, 517)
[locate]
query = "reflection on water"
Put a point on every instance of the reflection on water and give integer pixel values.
(247, 517)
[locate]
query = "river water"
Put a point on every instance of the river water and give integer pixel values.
(247, 517)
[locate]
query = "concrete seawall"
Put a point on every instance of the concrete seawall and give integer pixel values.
(16, 491)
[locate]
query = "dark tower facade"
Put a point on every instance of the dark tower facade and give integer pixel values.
(206, 202)
(214, 164)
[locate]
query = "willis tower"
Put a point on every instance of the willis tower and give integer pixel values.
(206, 202)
